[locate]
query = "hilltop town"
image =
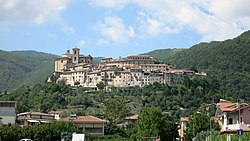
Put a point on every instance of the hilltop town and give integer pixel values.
(140, 70)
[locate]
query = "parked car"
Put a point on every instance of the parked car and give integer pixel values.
(25, 140)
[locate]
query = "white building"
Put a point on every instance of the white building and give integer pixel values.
(233, 116)
(8, 110)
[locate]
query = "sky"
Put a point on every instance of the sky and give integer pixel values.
(118, 28)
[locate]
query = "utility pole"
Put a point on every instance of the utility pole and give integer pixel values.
(239, 117)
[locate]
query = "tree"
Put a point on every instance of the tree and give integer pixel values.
(113, 129)
(115, 110)
(44, 132)
(199, 122)
(152, 123)
(100, 85)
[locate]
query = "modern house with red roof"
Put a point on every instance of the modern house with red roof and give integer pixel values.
(88, 124)
(233, 116)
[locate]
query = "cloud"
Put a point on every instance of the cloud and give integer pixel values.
(150, 26)
(109, 3)
(212, 19)
(114, 30)
(36, 11)
(81, 44)
(52, 35)
(103, 42)
(68, 29)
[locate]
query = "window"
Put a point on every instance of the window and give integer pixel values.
(93, 130)
(230, 121)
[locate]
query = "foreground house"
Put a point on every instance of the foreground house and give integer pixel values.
(87, 124)
(8, 110)
(33, 118)
(233, 116)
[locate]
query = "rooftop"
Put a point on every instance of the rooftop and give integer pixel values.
(88, 119)
(228, 106)
(33, 113)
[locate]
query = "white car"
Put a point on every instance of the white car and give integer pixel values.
(25, 140)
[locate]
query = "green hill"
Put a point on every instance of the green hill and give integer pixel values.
(226, 62)
(163, 54)
(24, 68)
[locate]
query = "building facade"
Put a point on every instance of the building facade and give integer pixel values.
(140, 70)
(8, 110)
(33, 118)
(233, 116)
(88, 124)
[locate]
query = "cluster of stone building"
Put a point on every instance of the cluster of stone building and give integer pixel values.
(77, 70)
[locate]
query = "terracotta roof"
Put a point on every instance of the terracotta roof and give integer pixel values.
(88, 119)
(227, 106)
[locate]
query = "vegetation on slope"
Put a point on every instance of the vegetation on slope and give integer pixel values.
(228, 62)
(50, 96)
(163, 54)
(24, 68)
(180, 100)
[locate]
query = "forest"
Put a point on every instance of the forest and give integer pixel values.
(227, 62)
(114, 105)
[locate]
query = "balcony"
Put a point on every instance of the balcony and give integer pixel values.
(235, 127)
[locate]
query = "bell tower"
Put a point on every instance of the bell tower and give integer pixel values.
(75, 56)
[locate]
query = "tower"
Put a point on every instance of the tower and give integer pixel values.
(75, 57)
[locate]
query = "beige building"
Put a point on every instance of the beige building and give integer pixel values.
(72, 61)
(34, 118)
(173, 77)
(139, 70)
(130, 61)
(57, 114)
(155, 67)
